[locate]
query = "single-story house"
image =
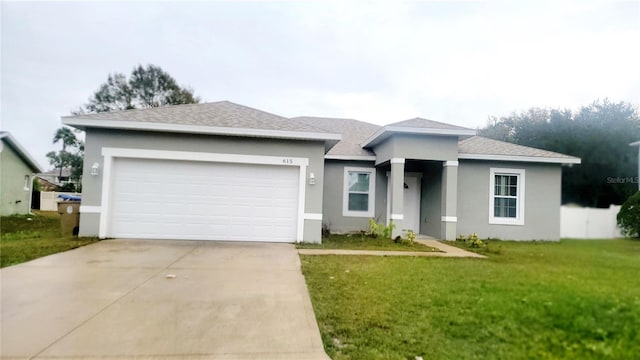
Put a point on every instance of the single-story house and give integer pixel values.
(16, 176)
(223, 171)
(55, 177)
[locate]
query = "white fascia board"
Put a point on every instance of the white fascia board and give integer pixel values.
(388, 130)
(515, 158)
(351, 157)
(199, 129)
(373, 137)
(22, 152)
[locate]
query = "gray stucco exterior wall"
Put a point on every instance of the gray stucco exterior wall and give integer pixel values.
(96, 139)
(15, 199)
(422, 147)
(542, 201)
(334, 192)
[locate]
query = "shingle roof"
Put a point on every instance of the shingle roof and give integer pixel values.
(478, 145)
(354, 132)
(426, 124)
(225, 117)
(215, 114)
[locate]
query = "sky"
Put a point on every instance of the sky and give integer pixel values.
(458, 62)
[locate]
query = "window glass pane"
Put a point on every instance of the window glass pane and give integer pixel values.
(359, 182)
(506, 185)
(358, 202)
(498, 208)
(511, 208)
(504, 207)
(500, 185)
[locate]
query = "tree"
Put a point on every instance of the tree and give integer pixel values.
(71, 155)
(598, 133)
(147, 87)
(68, 139)
(629, 216)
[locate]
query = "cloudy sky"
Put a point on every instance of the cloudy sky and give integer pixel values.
(378, 61)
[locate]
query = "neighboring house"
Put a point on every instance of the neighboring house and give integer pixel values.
(53, 176)
(222, 171)
(16, 176)
(46, 184)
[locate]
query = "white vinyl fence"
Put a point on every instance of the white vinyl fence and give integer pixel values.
(589, 223)
(49, 199)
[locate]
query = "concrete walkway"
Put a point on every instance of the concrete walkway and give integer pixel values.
(444, 251)
(158, 299)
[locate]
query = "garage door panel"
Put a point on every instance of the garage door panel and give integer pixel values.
(203, 201)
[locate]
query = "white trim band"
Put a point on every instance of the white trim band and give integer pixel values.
(202, 156)
(514, 158)
(90, 209)
(397, 216)
(312, 216)
(351, 157)
(397, 160)
(450, 219)
(453, 163)
(199, 129)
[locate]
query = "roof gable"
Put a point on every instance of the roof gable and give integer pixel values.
(420, 123)
(417, 126)
(8, 139)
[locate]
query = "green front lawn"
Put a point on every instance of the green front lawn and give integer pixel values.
(27, 237)
(364, 242)
(573, 299)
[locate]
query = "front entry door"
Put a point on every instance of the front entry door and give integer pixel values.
(411, 209)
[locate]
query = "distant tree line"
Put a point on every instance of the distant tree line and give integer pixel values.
(599, 134)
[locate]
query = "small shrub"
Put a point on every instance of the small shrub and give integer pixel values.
(388, 230)
(410, 236)
(472, 240)
(629, 216)
(377, 229)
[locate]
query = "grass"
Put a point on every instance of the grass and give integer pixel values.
(364, 242)
(28, 237)
(568, 300)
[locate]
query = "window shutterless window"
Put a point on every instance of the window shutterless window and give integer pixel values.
(26, 182)
(359, 192)
(506, 196)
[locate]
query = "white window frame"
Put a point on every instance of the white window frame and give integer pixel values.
(520, 197)
(27, 181)
(372, 192)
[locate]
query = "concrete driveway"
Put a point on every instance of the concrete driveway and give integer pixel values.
(160, 299)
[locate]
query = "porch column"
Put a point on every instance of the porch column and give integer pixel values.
(397, 195)
(449, 200)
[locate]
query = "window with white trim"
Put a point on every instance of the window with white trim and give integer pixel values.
(27, 181)
(506, 196)
(359, 192)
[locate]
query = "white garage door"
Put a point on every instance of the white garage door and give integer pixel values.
(166, 199)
